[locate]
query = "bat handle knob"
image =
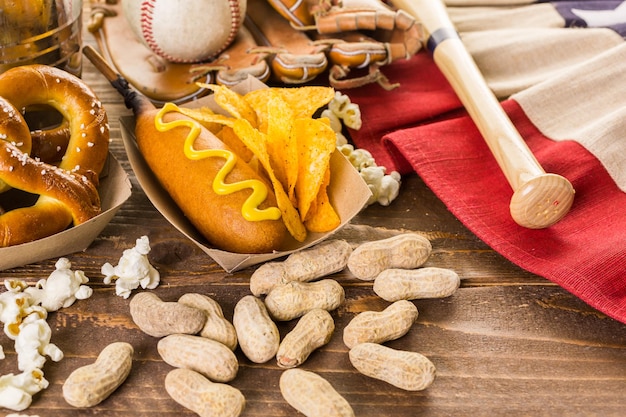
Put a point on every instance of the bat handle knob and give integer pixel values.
(542, 201)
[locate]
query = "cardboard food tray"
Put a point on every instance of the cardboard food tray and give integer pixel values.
(114, 190)
(347, 191)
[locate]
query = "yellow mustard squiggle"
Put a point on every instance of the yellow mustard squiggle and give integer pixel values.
(250, 209)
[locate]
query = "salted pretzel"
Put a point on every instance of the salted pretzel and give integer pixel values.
(67, 192)
(13, 128)
(51, 144)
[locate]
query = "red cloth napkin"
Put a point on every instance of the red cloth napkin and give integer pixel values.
(424, 96)
(421, 127)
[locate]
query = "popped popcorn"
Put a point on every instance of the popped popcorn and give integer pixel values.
(32, 344)
(359, 158)
(15, 305)
(24, 310)
(349, 112)
(133, 269)
(335, 121)
(16, 391)
(384, 187)
(62, 287)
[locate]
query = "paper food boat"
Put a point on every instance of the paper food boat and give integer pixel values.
(347, 191)
(114, 190)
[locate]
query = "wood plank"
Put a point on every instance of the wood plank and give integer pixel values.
(506, 343)
(486, 342)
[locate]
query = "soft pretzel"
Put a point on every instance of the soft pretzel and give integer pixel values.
(68, 191)
(13, 128)
(51, 144)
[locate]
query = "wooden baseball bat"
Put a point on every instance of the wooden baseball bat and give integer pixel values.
(539, 199)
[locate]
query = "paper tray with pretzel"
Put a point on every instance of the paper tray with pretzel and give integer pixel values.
(114, 190)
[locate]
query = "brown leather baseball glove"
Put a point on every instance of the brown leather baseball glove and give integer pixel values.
(359, 34)
(292, 41)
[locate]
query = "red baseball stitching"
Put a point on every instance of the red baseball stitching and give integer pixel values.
(147, 17)
(235, 20)
(145, 20)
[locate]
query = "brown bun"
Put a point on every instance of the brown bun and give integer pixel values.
(190, 184)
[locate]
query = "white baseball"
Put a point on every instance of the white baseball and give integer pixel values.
(185, 31)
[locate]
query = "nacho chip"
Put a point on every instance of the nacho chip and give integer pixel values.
(322, 217)
(255, 140)
(232, 102)
(281, 144)
(206, 117)
(305, 101)
(230, 138)
(257, 99)
(316, 143)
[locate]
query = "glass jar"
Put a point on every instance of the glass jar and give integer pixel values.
(41, 32)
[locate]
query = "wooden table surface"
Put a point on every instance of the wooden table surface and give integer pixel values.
(506, 343)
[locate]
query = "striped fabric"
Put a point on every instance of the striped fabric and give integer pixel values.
(560, 70)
